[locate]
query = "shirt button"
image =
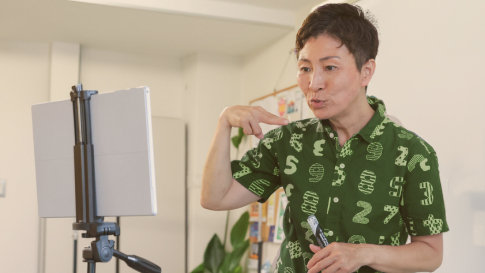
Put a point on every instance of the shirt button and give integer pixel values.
(331, 135)
(330, 233)
(342, 165)
(335, 199)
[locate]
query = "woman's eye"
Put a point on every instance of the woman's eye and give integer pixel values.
(330, 67)
(305, 69)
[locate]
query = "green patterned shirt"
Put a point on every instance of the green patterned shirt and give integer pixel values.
(380, 187)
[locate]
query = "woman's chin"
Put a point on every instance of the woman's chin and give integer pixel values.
(321, 113)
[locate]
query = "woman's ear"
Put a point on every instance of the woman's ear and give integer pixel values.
(367, 71)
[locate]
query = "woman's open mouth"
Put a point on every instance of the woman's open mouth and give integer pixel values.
(316, 103)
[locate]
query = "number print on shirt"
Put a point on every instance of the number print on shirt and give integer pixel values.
(393, 210)
(435, 225)
(303, 126)
(318, 147)
(396, 185)
(256, 162)
(276, 171)
(395, 239)
(310, 202)
(294, 249)
(258, 186)
(346, 150)
(289, 270)
(306, 257)
(414, 160)
(290, 165)
(360, 217)
(357, 239)
(309, 232)
(405, 135)
(375, 151)
(428, 192)
(367, 180)
(296, 143)
(288, 189)
(272, 137)
(379, 130)
(316, 172)
(267, 142)
(245, 171)
(339, 173)
(423, 165)
(400, 160)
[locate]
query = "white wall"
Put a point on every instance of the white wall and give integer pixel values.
(430, 75)
(212, 82)
(273, 67)
(106, 70)
(24, 75)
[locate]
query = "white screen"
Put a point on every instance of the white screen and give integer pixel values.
(123, 155)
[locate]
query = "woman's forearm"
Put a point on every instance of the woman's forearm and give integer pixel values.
(423, 254)
(217, 176)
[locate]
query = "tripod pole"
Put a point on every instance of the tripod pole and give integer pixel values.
(91, 267)
(101, 249)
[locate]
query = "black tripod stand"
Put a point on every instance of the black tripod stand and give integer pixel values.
(101, 249)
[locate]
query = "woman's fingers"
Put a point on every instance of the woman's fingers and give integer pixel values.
(314, 248)
(269, 118)
(249, 117)
(257, 131)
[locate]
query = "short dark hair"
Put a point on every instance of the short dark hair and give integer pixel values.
(345, 22)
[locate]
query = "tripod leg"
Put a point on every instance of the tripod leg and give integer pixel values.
(91, 267)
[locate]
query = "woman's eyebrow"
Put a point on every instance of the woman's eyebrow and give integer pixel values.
(321, 59)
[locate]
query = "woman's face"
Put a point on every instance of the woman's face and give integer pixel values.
(329, 78)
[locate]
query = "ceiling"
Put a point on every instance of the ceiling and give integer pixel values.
(166, 27)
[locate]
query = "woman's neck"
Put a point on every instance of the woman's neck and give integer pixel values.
(349, 124)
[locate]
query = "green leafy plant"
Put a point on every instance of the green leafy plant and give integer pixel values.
(217, 259)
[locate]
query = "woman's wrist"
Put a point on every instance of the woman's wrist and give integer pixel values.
(223, 121)
(367, 252)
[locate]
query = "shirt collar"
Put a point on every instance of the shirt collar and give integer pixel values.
(371, 126)
(379, 115)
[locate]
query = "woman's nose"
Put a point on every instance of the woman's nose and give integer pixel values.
(317, 81)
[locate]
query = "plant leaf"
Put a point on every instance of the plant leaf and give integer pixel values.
(236, 140)
(239, 230)
(199, 269)
(225, 263)
(214, 254)
(237, 269)
(237, 254)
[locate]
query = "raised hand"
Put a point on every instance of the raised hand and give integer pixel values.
(249, 117)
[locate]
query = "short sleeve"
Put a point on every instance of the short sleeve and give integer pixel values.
(422, 205)
(258, 169)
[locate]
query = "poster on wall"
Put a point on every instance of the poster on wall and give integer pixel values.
(289, 103)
